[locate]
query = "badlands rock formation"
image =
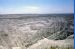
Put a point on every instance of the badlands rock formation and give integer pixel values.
(36, 31)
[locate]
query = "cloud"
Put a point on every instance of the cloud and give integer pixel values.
(36, 10)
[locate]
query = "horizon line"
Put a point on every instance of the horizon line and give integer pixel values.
(37, 13)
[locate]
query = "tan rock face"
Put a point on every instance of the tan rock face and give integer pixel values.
(46, 43)
(16, 47)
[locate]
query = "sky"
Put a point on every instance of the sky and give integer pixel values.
(36, 6)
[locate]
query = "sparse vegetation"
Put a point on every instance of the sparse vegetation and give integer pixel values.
(55, 47)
